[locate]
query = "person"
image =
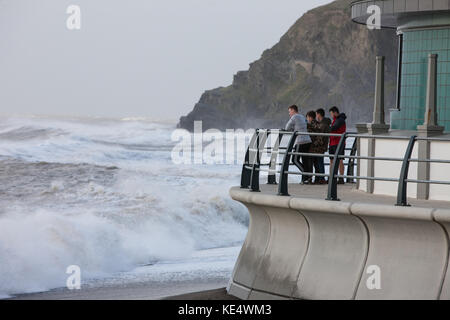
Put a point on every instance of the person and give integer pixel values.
(298, 123)
(316, 146)
(325, 127)
(338, 126)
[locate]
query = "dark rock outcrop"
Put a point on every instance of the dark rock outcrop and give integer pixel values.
(323, 60)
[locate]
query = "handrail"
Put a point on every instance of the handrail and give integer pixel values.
(351, 161)
(332, 183)
(274, 161)
(246, 173)
(284, 176)
(402, 195)
(252, 164)
(260, 141)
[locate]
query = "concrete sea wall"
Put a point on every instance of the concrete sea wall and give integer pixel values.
(301, 248)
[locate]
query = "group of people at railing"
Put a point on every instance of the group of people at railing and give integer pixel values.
(311, 136)
(316, 122)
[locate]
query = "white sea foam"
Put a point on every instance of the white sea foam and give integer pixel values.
(104, 195)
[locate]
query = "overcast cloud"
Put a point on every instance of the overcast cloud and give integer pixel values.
(135, 58)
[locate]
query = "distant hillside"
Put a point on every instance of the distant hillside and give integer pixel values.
(323, 60)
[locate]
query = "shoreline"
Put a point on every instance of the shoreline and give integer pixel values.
(185, 290)
(209, 295)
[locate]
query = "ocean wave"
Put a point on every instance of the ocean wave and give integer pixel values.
(104, 195)
(36, 246)
(29, 133)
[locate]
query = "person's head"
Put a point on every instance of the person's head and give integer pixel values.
(334, 112)
(293, 110)
(320, 115)
(310, 116)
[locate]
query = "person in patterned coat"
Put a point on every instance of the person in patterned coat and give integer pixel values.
(319, 144)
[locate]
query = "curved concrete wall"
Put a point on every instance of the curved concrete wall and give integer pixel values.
(412, 256)
(313, 249)
(252, 252)
(336, 257)
(278, 271)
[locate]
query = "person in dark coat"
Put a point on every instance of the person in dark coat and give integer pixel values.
(324, 127)
(316, 145)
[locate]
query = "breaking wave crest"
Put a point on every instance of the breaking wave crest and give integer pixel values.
(103, 195)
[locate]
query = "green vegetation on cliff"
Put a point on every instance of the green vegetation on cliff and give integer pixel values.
(323, 60)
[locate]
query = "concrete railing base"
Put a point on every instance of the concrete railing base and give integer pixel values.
(300, 248)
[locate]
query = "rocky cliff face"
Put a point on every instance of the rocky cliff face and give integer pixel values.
(323, 60)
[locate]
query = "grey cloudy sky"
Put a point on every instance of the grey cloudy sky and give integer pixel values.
(135, 58)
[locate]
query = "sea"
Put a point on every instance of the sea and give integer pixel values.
(106, 196)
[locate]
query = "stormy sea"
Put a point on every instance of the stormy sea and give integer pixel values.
(106, 196)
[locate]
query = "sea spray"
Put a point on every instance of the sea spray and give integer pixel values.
(104, 195)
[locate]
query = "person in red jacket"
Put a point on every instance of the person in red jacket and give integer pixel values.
(338, 126)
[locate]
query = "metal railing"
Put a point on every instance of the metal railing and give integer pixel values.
(253, 167)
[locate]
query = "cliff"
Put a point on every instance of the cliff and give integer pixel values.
(323, 60)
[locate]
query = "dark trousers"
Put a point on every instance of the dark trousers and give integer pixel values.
(319, 167)
(303, 163)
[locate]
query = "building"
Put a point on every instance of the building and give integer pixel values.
(423, 97)
(423, 28)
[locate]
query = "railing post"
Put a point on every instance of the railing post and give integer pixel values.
(247, 173)
(284, 176)
(332, 183)
(260, 143)
(272, 180)
(254, 185)
(254, 177)
(402, 195)
(351, 162)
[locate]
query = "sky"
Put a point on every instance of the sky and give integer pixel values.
(131, 58)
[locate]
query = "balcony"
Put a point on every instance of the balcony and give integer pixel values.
(399, 13)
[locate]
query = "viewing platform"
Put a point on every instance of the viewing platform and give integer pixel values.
(317, 242)
(348, 194)
(304, 247)
(385, 235)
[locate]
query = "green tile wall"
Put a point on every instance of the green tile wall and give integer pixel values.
(417, 45)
